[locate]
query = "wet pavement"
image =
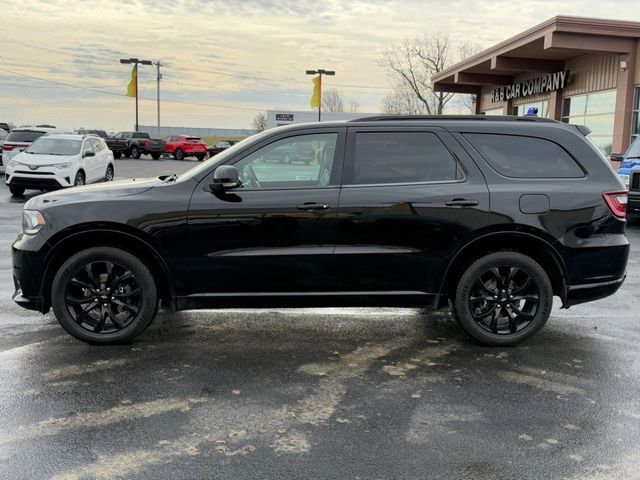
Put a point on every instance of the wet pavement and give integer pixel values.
(319, 393)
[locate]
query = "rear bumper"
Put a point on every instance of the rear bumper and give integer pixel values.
(154, 149)
(633, 205)
(577, 294)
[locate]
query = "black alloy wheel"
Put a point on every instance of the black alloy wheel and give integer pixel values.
(104, 295)
(79, 180)
(503, 298)
(155, 156)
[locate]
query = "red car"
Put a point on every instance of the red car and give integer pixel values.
(181, 146)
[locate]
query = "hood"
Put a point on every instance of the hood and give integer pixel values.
(95, 192)
(38, 159)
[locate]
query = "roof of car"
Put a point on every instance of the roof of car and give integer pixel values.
(70, 136)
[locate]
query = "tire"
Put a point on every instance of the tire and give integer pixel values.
(126, 154)
(117, 155)
(79, 180)
(113, 319)
(155, 156)
(110, 173)
(200, 157)
(135, 152)
(503, 316)
(16, 190)
(179, 154)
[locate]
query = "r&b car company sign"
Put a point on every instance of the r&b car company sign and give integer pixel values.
(533, 86)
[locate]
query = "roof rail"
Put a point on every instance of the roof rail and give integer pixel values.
(487, 118)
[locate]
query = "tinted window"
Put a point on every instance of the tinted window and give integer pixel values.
(23, 136)
(401, 157)
(525, 157)
(141, 135)
(294, 162)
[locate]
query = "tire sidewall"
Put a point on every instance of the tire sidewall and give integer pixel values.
(462, 310)
(95, 254)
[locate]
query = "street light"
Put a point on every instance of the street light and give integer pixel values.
(136, 61)
(320, 72)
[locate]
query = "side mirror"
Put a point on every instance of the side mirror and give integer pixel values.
(225, 177)
(89, 154)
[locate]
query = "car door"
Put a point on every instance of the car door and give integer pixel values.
(88, 162)
(410, 198)
(169, 144)
(276, 232)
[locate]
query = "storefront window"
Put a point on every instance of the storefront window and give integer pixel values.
(596, 111)
(635, 127)
(543, 108)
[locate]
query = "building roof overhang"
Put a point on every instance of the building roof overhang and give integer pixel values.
(542, 48)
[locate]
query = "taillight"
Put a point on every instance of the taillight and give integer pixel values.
(145, 143)
(8, 148)
(617, 202)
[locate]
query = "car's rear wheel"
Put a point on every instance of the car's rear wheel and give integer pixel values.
(108, 177)
(135, 152)
(117, 155)
(155, 156)
(104, 295)
(79, 180)
(200, 157)
(503, 298)
(16, 190)
(179, 154)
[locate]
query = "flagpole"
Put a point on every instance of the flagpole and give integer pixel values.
(135, 63)
(320, 72)
(136, 67)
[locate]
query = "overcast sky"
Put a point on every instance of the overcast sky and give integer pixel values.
(245, 55)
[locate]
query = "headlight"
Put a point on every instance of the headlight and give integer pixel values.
(61, 165)
(13, 163)
(625, 179)
(32, 221)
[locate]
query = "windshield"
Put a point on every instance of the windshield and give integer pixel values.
(634, 149)
(221, 157)
(54, 146)
(24, 136)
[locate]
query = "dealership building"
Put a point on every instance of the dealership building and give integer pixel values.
(577, 70)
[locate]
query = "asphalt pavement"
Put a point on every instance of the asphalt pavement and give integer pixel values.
(318, 393)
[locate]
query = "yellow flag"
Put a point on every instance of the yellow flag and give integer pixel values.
(131, 88)
(316, 97)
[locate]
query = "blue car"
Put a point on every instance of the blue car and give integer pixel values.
(629, 161)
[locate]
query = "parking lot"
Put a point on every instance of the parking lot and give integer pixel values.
(318, 393)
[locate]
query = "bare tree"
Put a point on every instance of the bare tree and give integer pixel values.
(354, 106)
(332, 100)
(260, 122)
(402, 101)
(414, 62)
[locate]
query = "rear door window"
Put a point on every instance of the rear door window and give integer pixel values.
(400, 157)
(27, 136)
(517, 156)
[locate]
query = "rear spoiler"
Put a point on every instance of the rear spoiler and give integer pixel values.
(583, 129)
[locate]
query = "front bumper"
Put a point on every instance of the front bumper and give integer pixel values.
(28, 279)
(41, 179)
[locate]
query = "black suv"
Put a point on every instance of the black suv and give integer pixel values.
(491, 216)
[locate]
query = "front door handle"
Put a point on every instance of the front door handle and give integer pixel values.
(461, 202)
(309, 206)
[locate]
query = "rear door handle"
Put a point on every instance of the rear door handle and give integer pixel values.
(462, 202)
(309, 206)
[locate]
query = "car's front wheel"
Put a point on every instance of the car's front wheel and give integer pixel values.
(135, 152)
(79, 180)
(179, 154)
(104, 295)
(503, 298)
(16, 190)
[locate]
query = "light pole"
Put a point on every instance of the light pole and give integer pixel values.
(158, 78)
(320, 72)
(136, 61)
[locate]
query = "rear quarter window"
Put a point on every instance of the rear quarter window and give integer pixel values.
(518, 156)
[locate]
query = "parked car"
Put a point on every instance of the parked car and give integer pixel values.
(3, 137)
(302, 151)
(181, 146)
(629, 172)
(141, 143)
(220, 147)
(20, 138)
(60, 160)
(490, 215)
(116, 145)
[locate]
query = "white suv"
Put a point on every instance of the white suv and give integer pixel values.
(60, 160)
